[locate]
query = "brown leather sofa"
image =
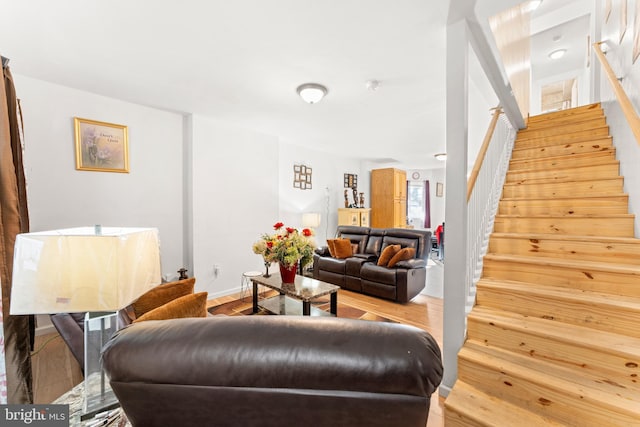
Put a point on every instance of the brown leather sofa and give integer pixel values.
(273, 371)
(360, 272)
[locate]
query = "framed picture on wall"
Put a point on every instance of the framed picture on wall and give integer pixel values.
(439, 189)
(101, 146)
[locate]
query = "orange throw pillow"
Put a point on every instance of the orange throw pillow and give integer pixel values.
(402, 255)
(342, 248)
(331, 245)
(387, 254)
(163, 294)
(194, 305)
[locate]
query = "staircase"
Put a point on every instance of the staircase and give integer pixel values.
(554, 337)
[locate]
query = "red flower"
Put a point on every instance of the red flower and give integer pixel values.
(269, 244)
(306, 232)
(277, 225)
(290, 230)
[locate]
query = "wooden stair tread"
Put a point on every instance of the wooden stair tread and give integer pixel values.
(607, 178)
(596, 106)
(484, 409)
(578, 336)
(568, 263)
(570, 237)
(561, 127)
(587, 139)
(613, 216)
(556, 199)
(612, 300)
(575, 118)
(598, 156)
(578, 384)
(607, 162)
(598, 130)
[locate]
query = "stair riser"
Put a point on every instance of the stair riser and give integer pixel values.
(561, 139)
(562, 150)
(539, 398)
(579, 160)
(602, 317)
(572, 250)
(585, 226)
(601, 187)
(561, 129)
(566, 113)
(579, 279)
(621, 368)
(559, 207)
(603, 171)
(559, 121)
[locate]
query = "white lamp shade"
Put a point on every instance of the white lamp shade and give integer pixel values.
(75, 270)
(311, 220)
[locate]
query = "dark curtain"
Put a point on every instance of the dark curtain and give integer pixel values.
(427, 206)
(14, 219)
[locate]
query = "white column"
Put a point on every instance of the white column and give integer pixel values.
(456, 201)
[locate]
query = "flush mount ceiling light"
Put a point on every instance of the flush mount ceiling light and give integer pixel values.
(557, 54)
(312, 93)
(441, 156)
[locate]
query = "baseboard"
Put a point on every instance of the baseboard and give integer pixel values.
(444, 390)
(45, 330)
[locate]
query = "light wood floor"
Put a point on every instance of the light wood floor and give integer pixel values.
(55, 371)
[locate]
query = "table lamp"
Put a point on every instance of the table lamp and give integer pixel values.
(87, 269)
(311, 220)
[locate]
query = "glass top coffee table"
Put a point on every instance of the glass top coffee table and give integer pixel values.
(305, 289)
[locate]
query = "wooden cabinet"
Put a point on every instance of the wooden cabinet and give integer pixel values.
(388, 198)
(353, 216)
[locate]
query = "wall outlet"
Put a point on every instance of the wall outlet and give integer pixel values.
(216, 270)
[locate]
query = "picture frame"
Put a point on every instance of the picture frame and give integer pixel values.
(101, 146)
(439, 189)
(302, 177)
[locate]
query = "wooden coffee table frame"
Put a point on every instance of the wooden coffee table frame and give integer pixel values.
(305, 289)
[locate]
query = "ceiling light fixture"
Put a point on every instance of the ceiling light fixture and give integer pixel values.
(441, 156)
(533, 5)
(312, 93)
(557, 54)
(372, 85)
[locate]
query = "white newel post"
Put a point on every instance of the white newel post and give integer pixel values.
(456, 202)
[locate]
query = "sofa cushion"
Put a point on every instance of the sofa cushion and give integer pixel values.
(334, 265)
(194, 305)
(387, 254)
(342, 248)
(353, 265)
(402, 255)
(374, 244)
(359, 239)
(376, 273)
(162, 294)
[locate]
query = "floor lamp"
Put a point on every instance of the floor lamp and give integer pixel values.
(87, 269)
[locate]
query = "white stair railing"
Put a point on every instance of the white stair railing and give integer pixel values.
(483, 195)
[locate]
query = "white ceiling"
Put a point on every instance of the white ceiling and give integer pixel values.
(241, 61)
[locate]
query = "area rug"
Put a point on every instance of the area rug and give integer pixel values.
(244, 307)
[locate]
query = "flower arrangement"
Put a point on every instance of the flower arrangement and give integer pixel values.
(286, 246)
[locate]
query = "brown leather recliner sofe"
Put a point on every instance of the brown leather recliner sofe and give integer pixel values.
(361, 273)
(273, 371)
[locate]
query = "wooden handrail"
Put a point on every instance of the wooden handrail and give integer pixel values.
(624, 101)
(483, 151)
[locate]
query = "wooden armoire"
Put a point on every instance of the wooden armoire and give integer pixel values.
(388, 198)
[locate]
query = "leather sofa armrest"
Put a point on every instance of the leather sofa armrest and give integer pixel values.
(412, 263)
(322, 251)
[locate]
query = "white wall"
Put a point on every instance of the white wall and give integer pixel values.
(327, 192)
(627, 148)
(235, 200)
(60, 196)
